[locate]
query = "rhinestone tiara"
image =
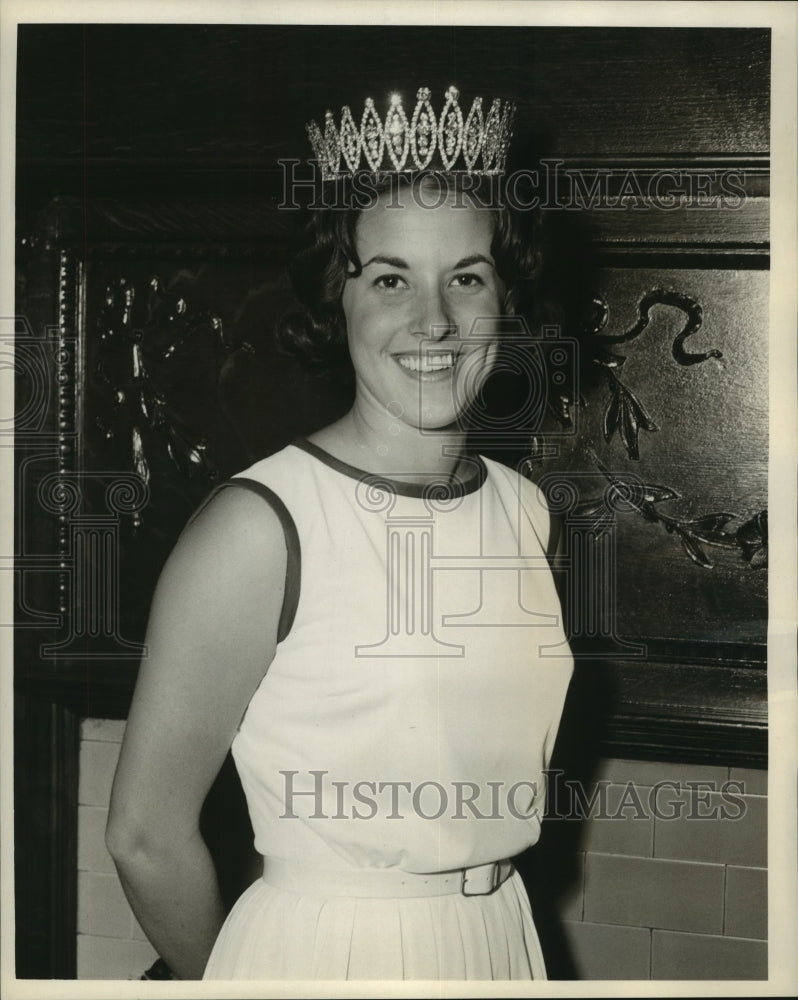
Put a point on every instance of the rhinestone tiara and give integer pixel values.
(477, 144)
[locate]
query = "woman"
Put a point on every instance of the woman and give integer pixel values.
(362, 620)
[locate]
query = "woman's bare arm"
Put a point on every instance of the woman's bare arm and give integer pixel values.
(211, 636)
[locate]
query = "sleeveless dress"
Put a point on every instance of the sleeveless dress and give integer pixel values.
(404, 724)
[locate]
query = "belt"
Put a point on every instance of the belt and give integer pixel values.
(386, 882)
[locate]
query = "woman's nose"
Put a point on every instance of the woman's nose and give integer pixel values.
(434, 318)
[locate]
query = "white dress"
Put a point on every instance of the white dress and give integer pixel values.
(404, 723)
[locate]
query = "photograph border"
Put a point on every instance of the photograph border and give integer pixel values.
(783, 881)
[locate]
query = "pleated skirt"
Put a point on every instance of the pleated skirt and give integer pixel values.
(278, 934)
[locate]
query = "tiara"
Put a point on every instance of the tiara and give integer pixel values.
(476, 145)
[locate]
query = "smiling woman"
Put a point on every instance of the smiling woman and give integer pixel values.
(380, 642)
(422, 316)
(421, 280)
(418, 311)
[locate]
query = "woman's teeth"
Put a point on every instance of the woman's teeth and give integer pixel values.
(434, 363)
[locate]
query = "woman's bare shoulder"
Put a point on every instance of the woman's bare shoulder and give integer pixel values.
(236, 519)
(230, 555)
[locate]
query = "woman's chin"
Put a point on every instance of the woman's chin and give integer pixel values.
(437, 422)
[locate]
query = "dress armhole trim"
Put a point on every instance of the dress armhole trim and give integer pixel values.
(293, 566)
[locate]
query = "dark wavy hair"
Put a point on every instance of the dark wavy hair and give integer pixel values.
(325, 254)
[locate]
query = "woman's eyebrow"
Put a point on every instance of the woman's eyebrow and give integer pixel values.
(399, 262)
(390, 261)
(476, 258)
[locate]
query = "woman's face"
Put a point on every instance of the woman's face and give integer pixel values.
(422, 318)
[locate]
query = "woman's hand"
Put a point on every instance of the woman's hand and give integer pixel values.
(211, 636)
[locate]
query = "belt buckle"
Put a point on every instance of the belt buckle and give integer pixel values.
(480, 880)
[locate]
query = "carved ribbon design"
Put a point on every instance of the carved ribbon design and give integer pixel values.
(624, 412)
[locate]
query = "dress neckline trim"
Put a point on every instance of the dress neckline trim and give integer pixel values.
(453, 486)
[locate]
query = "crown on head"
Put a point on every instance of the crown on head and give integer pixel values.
(477, 144)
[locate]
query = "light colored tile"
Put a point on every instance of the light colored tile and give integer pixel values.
(650, 772)
(746, 903)
(646, 892)
(755, 781)
(705, 956)
(606, 951)
(103, 909)
(105, 730)
(93, 855)
(97, 767)
(621, 822)
(110, 958)
(736, 834)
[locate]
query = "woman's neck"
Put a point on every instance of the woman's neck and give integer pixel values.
(379, 443)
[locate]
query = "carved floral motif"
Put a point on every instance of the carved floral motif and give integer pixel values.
(751, 538)
(150, 348)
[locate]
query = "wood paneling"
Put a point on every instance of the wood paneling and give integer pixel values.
(107, 108)
(45, 830)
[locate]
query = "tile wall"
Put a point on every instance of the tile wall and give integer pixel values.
(646, 897)
(665, 885)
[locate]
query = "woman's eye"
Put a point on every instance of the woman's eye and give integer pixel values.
(390, 282)
(467, 280)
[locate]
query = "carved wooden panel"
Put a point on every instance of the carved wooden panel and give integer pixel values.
(672, 444)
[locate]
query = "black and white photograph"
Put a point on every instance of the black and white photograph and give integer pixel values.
(396, 401)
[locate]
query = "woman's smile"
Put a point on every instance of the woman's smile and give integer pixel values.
(429, 365)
